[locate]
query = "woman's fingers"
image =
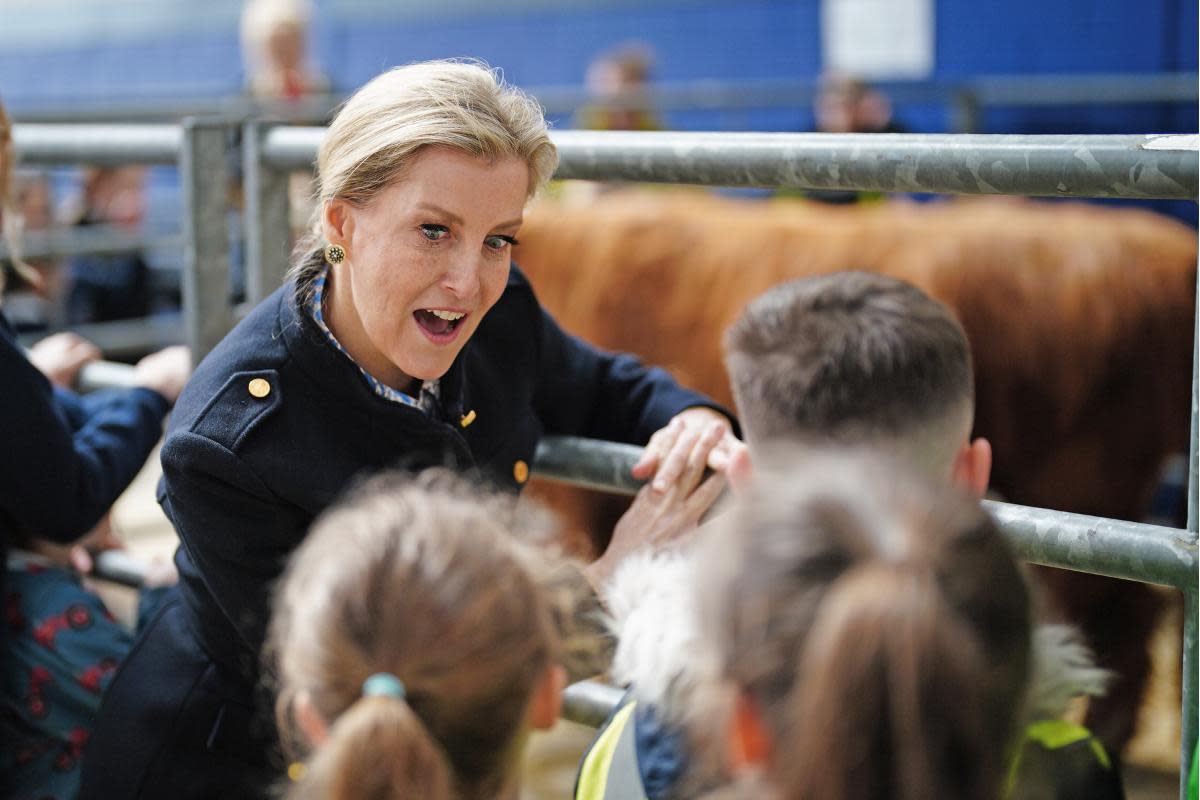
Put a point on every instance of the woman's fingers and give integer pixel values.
(699, 458)
(675, 461)
(658, 446)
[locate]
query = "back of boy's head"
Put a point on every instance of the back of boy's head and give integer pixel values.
(880, 625)
(853, 358)
(424, 579)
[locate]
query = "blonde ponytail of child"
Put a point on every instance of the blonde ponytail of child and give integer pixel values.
(377, 749)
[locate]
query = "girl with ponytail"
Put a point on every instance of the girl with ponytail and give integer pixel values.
(870, 637)
(415, 644)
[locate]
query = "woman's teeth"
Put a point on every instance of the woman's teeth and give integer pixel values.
(438, 322)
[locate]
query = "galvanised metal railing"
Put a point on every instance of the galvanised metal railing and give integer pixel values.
(1164, 167)
(198, 147)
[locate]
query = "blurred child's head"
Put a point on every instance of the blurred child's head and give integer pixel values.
(871, 631)
(860, 359)
(424, 580)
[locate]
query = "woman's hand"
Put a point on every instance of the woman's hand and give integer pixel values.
(659, 519)
(689, 438)
(165, 371)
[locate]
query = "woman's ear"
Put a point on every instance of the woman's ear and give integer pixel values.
(337, 221)
(749, 742)
(546, 704)
(309, 719)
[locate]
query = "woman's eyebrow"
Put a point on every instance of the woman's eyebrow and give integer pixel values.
(450, 215)
(457, 220)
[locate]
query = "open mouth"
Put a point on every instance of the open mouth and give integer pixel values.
(437, 323)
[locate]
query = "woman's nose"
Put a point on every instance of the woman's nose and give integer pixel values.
(462, 276)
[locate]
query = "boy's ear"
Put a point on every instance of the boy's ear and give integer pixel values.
(309, 719)
(749, 742)
(973, 466)
(546, 704)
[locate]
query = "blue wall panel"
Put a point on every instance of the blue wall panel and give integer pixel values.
(191, 50)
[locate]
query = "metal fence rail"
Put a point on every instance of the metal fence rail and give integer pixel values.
(198, 148)
(1149, 167)
(1128, 550)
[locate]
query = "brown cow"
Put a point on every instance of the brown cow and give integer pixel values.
(1080, 319)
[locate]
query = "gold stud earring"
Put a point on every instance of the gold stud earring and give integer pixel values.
(335, 253)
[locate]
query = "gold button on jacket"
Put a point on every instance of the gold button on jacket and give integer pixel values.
(521, 471)
(259, 387)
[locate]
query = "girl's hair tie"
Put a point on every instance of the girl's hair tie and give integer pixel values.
(384, 684)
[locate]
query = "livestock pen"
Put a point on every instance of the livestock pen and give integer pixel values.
(1148, 167)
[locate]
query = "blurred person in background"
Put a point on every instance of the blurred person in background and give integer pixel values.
(846, 104)
(63, 649)
(274, 35)
(34, 305)
(617, 82)
(65, 461)
(283, 82)
(109, 286)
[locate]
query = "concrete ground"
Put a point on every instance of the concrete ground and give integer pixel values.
(1152, 760)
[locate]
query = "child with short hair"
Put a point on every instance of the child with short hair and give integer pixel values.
(844, 360)
(417, 643)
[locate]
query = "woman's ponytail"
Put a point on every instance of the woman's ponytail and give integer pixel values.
(885, 702)
(378, 749)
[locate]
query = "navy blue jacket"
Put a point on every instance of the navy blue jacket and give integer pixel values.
(244, 476)
(64, 459)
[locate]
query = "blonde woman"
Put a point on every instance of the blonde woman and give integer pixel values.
(404, 337)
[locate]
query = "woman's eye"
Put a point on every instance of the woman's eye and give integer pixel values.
(499, 242)
(435, 232)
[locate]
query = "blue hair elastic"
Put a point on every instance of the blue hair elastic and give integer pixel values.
(384, 684)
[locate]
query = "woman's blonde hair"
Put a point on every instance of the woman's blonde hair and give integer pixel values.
(880, 625)
(428, 580)
(462, 105)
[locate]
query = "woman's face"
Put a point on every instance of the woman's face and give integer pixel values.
(425, 260)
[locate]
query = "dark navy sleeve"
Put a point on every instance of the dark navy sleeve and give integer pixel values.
(235, 530)
(62, 467)
(585, 391)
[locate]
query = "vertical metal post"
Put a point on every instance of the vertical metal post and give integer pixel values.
(267, 221)
(204, 177)
(965, 113)
(1191, 609)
